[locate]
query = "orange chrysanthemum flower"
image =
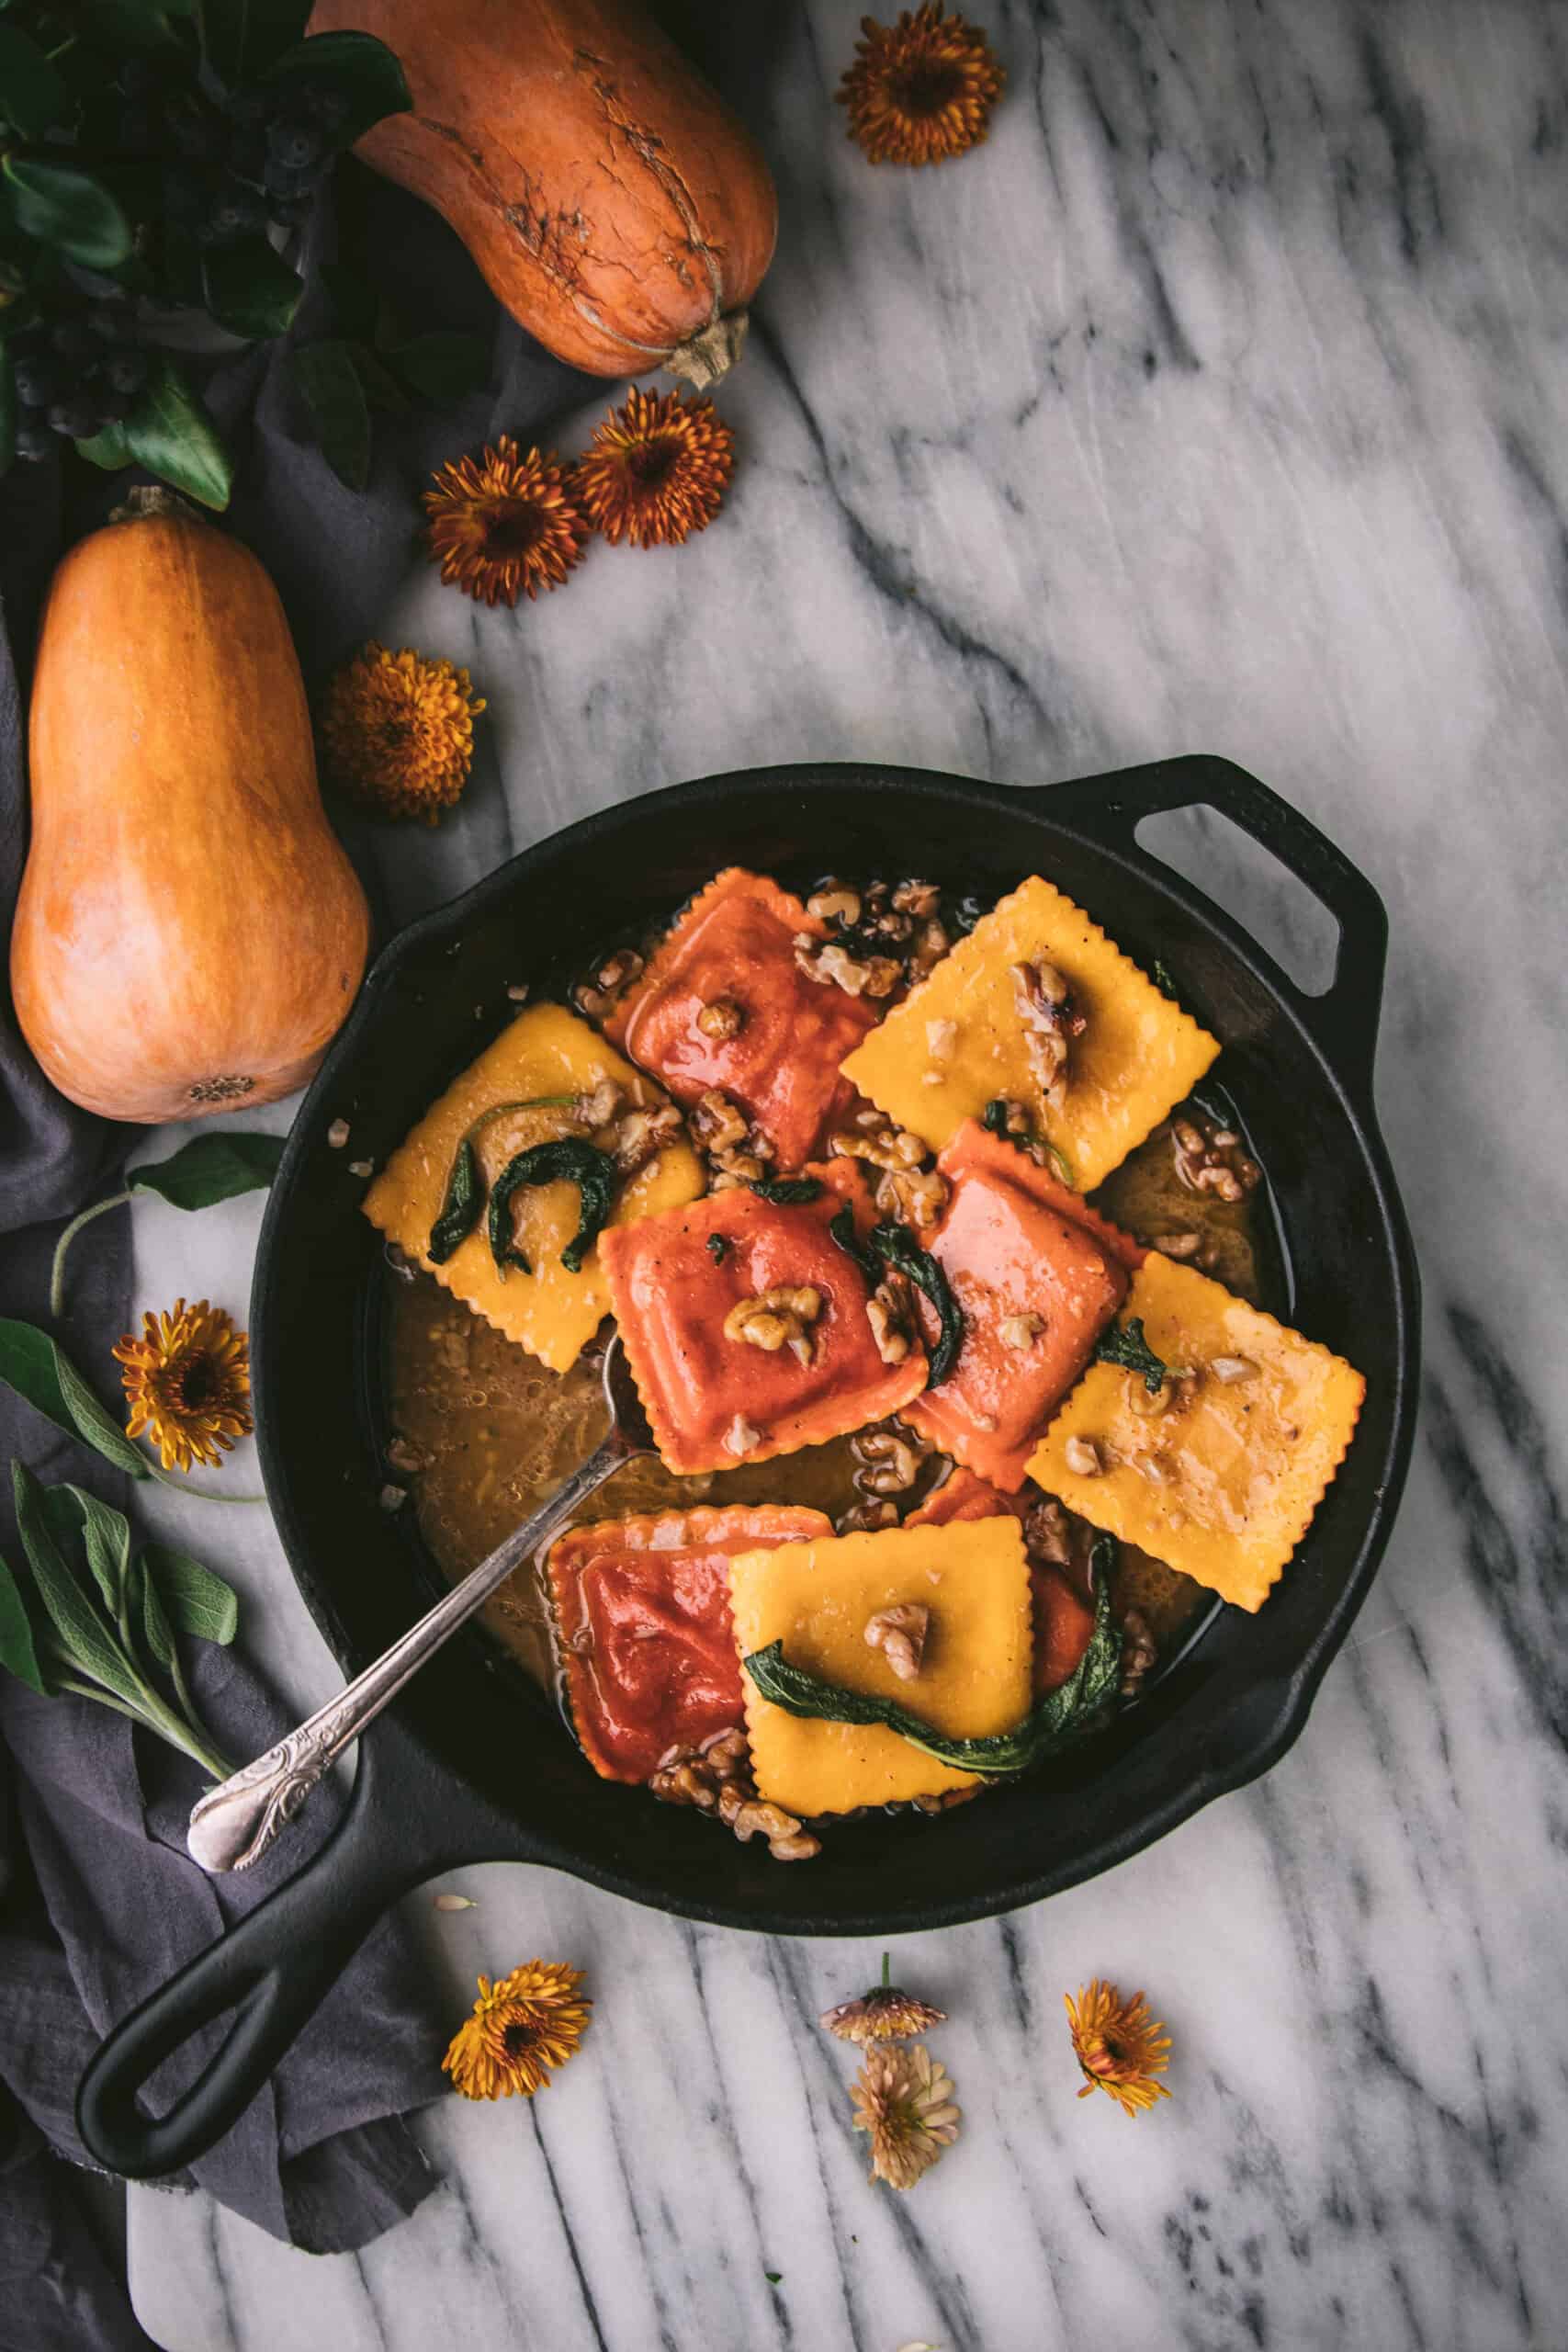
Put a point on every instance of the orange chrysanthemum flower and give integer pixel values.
(521, 2028)
(188, 1383)
(903, 2098)
(922, 90)
(656, 470)
(398, 730)
(1119, 2047)
(504, 525)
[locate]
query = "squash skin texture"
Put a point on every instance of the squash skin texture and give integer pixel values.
(189, 934)
(614, 204)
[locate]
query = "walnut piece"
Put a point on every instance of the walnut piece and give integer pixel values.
(875, 976)
(835, 903)
(642, 1135)
(1051, 1020)
(1020, 1331)
(777, 1318)
(742, 1436)
(715, 1122)
(1082, 1457)
(716, 1779)
(889, 1458)
(722, 1018)
(1209, 1159)
(901, 1633)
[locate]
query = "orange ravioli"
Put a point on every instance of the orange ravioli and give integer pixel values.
(816, 1597)
(642, 1613)
(1222, 1485)
(735, 945)
(545, 1051)
(1036, 1288)
(715, 1400)
(1138, 1054)
(1064, 1620)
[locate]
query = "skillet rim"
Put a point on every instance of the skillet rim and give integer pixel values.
(1251, 1733)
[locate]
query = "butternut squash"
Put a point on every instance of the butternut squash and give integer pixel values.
(189, 933)
(616, 206)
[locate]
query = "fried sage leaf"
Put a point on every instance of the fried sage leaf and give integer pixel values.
(568, 1160)
(1124, 1344)
(1061, 1715)
(841, 1229)
(463, 1202)
(897, 1248)
(787, 1192)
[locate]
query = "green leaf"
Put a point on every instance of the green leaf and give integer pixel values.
(250, 289)
(240, 39)
(841, 1229)
(894, 1244)
(1059, 1716)
(213, 1167)
(787, 1192)
(18, 1651)
(359, 68)
(87, 1641)
(73, 1515)
(1125, 1345)
(109, 448)
(64, 207)
(334, 395)
(569, 1160)
(170, 432)
(8, 411)
(37, 1368)
(460, 1206)
(443, 366)
(33, 96)
(382, 389)
(195, 1600)
(148, 1610)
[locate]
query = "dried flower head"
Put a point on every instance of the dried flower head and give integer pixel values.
(904, 2099)
(504, 525)
(655, 470)
(1119, 2047)
(521, 2028)
(885, 2014)
(922, 90)
(398, 731)
(188, 1381)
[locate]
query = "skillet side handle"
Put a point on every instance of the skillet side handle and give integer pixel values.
(277, 1965)
(1344, 1018)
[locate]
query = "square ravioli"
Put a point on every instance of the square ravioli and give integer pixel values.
(642, 1618)
(545, 1051)
(684, 1287)
(1223, 1483)
(816, 1599)
(1064, 1616)
(734, 947)
(1138, 1053)
(1037, 1276)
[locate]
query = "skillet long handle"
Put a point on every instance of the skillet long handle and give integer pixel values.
(234, 1825)
(404, 1822)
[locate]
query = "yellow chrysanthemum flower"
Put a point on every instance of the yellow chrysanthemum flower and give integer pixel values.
(521, 2028)
(188, 1381)
(398, 731)
(1119, 2047)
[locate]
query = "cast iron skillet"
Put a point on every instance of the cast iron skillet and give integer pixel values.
(471, 1765)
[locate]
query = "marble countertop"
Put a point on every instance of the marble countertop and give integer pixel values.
(1218, 403)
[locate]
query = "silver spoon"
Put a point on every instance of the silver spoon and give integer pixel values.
(235, 1824)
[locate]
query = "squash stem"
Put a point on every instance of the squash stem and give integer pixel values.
(57, 1272)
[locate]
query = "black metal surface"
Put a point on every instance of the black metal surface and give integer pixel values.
(481, 1773)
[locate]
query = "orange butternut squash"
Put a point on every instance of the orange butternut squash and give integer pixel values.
(189, 933)
(614, 204)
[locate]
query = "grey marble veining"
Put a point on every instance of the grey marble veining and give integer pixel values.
(1218, 403)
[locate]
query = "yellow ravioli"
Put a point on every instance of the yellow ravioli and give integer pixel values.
(1138, 1056)
(546, 1050)
(816, 1599)
(1222, 1485)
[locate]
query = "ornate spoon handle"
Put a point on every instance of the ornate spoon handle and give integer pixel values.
(234, 1825)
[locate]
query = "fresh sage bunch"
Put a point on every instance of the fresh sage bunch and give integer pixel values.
(100, 1619)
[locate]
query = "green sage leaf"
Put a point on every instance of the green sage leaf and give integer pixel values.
(787, 1192)
(894, 1244)
(88, 1643)
(360, 69)
(570, 1160)
(382, 389)
(1061, 1715)
(330, 384)
(63, 206)
(109, 448)
(73, 1516)
(18, 1651)
(194, 1599)
(841, 1229)
(461, 1205)
(37, 1368)
(170, 432)
(1125, 1345)
(33, 96)
(147, 1611)
(215, 1166)
(250, 289)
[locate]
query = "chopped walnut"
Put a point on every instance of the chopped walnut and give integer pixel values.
(912, 897)
(1051, 1021)
(618, 969)
(930, 946)
(887, 1313)
(889, 1458)
(641, 1135)
(1228, 1369)
(826, 961)
(404, 1455)
(940, 1038)
(835, 903)
(777, 1318)
(599, 1106)
(1180, 1245)
(901, 1633)
(338, 1134)
(1048, 1535)
(915, 1196)
(716, 1779)
(722, 1018)
(1082, 1457)
(1139, 1653)
(742, 1436)
(1020, 1331)
(867, 1517)
(949, 1798)
(1209, 1159)
(715, 1122)
(881, 1145)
